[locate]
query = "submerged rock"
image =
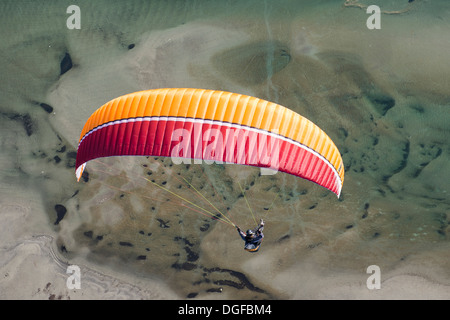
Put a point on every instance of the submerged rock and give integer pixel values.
(381, 102)
(60, 213)
(48, 108)
(66, 64)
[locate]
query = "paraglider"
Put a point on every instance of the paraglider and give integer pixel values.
(252, 237)
(208, 126)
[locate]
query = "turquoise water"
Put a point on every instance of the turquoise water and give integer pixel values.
(382, 95)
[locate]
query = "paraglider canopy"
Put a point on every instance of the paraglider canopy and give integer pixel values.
(214, 126)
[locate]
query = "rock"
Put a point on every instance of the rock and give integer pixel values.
(48, 108)
(66, 64)
(382, 102)
(60, 213)
(88, 234)
(125, 244)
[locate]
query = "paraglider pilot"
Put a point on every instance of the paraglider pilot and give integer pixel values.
(252, 238)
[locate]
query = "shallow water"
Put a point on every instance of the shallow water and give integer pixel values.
(383, 96)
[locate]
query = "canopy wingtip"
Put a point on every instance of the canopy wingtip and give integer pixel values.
(79, 171)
